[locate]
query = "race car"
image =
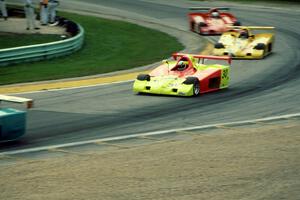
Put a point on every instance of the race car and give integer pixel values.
(240, 42)
(211, 21)
(186, 75)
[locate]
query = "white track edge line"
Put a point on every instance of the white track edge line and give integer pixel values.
(73, 144)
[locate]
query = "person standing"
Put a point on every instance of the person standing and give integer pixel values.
(3, 9)
(30, 15)
(53, 4)
(44, 12)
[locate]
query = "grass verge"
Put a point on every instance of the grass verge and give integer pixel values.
(109, 46)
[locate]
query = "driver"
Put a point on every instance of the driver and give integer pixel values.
(215, 14)
(244, 34)
(182, 65)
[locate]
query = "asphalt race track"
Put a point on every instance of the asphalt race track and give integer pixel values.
(259, 88)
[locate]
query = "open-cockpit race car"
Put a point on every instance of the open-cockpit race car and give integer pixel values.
(240, 42)
(211, 21)
(186, 75)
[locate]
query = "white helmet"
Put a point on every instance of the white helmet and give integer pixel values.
(215, 14)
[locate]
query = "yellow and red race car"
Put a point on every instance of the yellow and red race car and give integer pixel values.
(240, 42)
(211, 21)
(187, 75)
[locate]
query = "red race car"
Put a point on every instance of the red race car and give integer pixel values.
(211, 21)
(186, 75)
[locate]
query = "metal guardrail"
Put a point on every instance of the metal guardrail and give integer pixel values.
(42, 51)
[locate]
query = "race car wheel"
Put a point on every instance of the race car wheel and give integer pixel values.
(143, 77)
(196, 88)
(202, 24)
(260, 46)
(219, 46)
(192, 28)
(237, 23)
(195, 82)
(270, 47)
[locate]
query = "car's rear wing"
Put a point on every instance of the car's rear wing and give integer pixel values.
(207, 8)
(226, 58)
(21, 100)
(252, 27)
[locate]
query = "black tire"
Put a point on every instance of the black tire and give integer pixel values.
(219, 46)
(270, 47)
(195, 82)
(192, 26)
(196, 88)
(260, 46)
(143, 77)
(202, 24)
(237, 23)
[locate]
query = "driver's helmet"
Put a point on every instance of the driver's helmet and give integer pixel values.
(182, 65)
(244, 34)
(215, 14)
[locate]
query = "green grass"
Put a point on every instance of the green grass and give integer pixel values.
(109, 46)
(8, 40)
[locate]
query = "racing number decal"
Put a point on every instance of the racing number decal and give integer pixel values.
(225, 78)
(225, 74)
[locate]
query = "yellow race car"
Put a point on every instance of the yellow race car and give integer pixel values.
(240, 42)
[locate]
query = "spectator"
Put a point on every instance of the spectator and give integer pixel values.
(44, 12)
(52, 11)
(30, 15)
(3, 9)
